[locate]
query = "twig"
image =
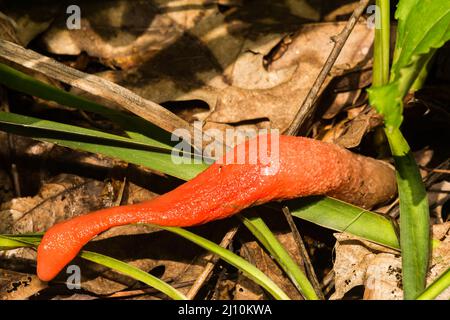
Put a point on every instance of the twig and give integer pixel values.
(301, 247)
(444, 171)
(211, 264)
(339, 41)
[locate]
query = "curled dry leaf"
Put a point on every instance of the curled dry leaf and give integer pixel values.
(349, 132)
(378, 269)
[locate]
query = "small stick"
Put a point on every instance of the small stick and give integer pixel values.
(301, 247)
(444, 171)
(211, 264)
(339, 42)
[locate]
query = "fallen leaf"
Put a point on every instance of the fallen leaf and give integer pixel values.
(216, 57)
(19, 286)
(378, 269)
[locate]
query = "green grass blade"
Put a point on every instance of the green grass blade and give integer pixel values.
(262, 232)
(340, 216)
(437, 287)
(13, 119)
(8, 242)
(414, 217)
(247, 268)
(137, 128)
(135, 273)
(94, 141)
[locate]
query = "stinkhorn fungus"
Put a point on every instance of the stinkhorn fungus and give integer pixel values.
(303, 166)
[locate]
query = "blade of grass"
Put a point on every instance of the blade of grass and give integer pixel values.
(437, 287)
(8, 242)
(99, 142)
(247, 268)
(14, 119)
(340, 216)
(135, 273)
(262, 232)
(135, 127)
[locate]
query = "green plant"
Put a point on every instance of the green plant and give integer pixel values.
(423, 26)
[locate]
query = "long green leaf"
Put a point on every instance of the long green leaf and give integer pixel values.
(137, 128)
(9, 243)
(94, 141)
(414, 217)
(340, 216)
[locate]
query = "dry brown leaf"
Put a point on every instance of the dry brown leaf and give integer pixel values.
(378, 269)
(127, 33)
(63, 197)
(221, 60)
(247, 289)
(349, 132)
(245, 90)
(8, 28)
(19, 286)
